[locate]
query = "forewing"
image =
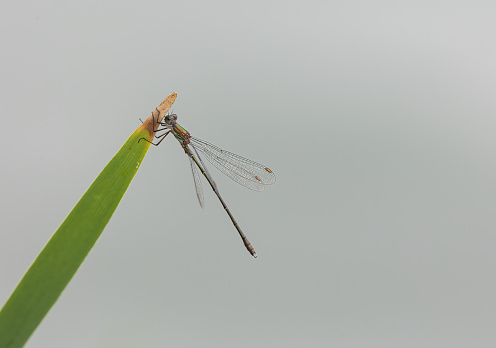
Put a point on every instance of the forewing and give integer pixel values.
(242, 170)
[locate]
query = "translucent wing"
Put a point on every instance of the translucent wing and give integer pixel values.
(207, 174)
(242, 170)
(196, 178)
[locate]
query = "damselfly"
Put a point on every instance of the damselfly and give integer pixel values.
(244, 171)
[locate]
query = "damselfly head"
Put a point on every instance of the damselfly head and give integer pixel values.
(170, 118)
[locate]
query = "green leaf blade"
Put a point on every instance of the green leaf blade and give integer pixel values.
(63, 254)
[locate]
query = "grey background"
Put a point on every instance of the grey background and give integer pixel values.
(377, 118)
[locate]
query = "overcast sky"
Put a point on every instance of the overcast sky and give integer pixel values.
(378, 119)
